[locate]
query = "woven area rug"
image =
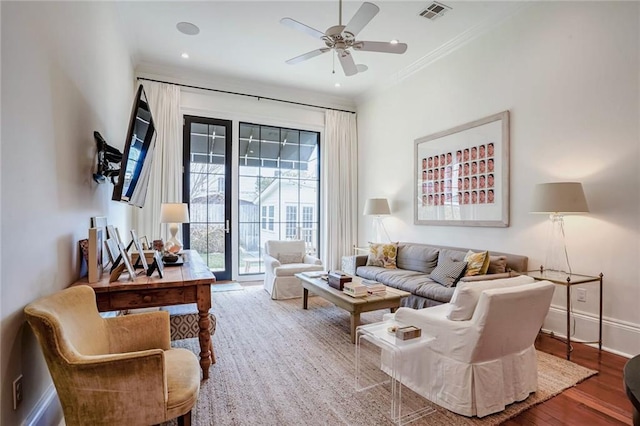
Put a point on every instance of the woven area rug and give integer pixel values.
(278, 364)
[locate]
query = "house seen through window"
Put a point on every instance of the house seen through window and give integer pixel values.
(279, 186)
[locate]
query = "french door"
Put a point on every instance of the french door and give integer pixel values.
(207, 190)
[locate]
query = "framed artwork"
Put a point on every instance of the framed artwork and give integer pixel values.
(462, 175)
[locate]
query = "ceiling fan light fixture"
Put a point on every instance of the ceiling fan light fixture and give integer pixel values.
(342, 39)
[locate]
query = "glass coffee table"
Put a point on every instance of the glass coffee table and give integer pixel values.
(393, 352)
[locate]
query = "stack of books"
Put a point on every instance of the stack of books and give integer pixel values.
(354, 289)
(374, 287)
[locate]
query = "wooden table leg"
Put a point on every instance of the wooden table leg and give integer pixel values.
(305, 298)
(355, 322)
(204, 304)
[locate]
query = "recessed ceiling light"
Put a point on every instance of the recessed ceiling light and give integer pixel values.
(337, 84)
(187, 28)
(394, 41)
(185, 55)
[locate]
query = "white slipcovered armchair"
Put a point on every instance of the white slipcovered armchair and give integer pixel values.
(478, 365)
(282, 259)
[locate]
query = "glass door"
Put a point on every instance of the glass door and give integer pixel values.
(207, 190)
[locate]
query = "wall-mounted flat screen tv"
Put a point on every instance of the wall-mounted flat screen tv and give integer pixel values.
(137, 157)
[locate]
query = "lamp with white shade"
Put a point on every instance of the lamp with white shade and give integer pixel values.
(378, 207)
(558, 199)
(173, 214)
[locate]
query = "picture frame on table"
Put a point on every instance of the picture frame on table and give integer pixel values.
(461, 175)
(126, 260)
(145, 243)
(100, 222)
(95, 255)
(138, 247)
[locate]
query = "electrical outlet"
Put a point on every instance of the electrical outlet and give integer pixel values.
(17, 392)
(582, 295)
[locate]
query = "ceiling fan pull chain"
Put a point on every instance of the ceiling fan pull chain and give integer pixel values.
(334, 64)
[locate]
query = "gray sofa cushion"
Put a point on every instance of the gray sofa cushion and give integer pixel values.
(435, 291)
(417, 257)
(397, 277)
(369, 272)
(455, 255)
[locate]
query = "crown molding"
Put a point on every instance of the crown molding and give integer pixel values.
(442, 51)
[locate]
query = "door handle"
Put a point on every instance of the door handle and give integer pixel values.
(227, 228)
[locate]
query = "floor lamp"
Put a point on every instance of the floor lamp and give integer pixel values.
(378, 207)
(558, 199)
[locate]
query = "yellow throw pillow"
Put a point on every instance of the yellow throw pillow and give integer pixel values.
(383, 255)
(477, 263)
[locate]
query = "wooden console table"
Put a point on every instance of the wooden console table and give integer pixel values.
(189, 283)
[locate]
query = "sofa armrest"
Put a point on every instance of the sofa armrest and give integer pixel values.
(311, 260)
(488, 277)
(356, 260)
(270, 263)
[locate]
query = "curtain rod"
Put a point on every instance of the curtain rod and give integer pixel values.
(244, 94)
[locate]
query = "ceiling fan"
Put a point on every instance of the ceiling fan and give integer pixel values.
(342, 39)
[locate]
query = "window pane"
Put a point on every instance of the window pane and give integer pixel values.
(279, 178)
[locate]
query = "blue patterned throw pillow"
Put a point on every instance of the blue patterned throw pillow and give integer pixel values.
(448, 272)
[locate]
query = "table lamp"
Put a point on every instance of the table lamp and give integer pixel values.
(173, 214)
(378, 207)
(558, 199)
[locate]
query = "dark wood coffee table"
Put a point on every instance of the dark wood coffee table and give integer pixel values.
(354, 305)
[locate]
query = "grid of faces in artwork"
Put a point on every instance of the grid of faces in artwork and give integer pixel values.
(463, 177)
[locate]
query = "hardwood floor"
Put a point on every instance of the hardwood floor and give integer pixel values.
(599, 400)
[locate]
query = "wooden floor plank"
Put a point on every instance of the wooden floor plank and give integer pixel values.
(599, 400)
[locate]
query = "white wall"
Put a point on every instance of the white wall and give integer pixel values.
(569, 74)
(65, 73)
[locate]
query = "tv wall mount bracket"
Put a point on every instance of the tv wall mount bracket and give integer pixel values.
(109, 161)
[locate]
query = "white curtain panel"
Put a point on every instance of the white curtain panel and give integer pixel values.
(165, 183)
(340, 171)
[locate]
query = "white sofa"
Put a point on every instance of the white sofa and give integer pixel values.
(282, 260)
(478, 365)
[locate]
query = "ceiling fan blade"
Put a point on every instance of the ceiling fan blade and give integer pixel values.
(380, 46)
(302, 27)
(362, 17)
(348, 65)
(307, 55)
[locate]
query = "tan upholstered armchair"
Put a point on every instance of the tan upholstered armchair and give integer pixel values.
(114, 371)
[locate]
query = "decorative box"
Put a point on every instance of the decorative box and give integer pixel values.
(337, 279)
(408, 332)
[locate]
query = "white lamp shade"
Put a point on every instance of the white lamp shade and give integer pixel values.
(174, 213)
(376, 206)
(559, 197)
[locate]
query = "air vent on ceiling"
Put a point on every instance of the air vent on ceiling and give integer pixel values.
(434, 11)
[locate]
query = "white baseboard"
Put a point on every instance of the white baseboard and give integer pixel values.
(618, 337)
(47, 412)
